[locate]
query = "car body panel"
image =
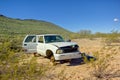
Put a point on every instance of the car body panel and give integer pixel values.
(40, 47)
(65, 56)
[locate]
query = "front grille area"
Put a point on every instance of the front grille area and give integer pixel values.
(72, 48)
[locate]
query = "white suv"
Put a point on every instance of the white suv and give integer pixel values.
(52, 46)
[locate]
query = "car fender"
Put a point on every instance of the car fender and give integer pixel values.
(52, 48)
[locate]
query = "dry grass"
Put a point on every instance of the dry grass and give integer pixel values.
(22, 66)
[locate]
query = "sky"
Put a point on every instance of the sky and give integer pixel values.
(73, 15)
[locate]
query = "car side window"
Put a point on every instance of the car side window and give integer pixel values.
(41, 40)
(30, 39)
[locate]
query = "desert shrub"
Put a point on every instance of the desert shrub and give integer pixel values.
(113, 37)
(31, 71)
(102, 68)
(85, 34)
(14, 43)
(13, 65)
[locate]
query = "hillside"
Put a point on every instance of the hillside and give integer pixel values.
(28, 26)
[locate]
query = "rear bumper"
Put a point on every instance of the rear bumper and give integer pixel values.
(65, 56)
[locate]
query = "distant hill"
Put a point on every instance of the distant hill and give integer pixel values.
(29, 26)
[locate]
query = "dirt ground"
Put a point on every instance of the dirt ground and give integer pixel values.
(76, 70)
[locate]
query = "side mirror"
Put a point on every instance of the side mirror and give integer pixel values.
(68, 40)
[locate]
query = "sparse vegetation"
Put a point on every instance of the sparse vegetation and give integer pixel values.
(102, 69)
(29, 26)
(14, 64)
(113, 37)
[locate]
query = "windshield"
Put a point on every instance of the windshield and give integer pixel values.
(53, 38)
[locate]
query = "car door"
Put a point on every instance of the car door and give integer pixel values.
(41, 45)
(30, 44)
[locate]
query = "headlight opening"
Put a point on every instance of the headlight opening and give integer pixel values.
(59, 51)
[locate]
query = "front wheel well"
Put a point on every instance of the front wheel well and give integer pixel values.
(49, 53)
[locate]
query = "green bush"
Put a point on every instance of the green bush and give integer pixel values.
(14, 66)
(102, 70)
(31, 71)
(113, 37)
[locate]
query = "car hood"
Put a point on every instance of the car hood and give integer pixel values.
(63, 44)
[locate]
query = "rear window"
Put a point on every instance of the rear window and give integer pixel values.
(30, 39)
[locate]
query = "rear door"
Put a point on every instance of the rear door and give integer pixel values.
(30, 44)
(41, 45)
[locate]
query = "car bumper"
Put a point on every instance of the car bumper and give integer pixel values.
(65, 56)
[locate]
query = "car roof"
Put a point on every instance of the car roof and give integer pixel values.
(42, 34)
